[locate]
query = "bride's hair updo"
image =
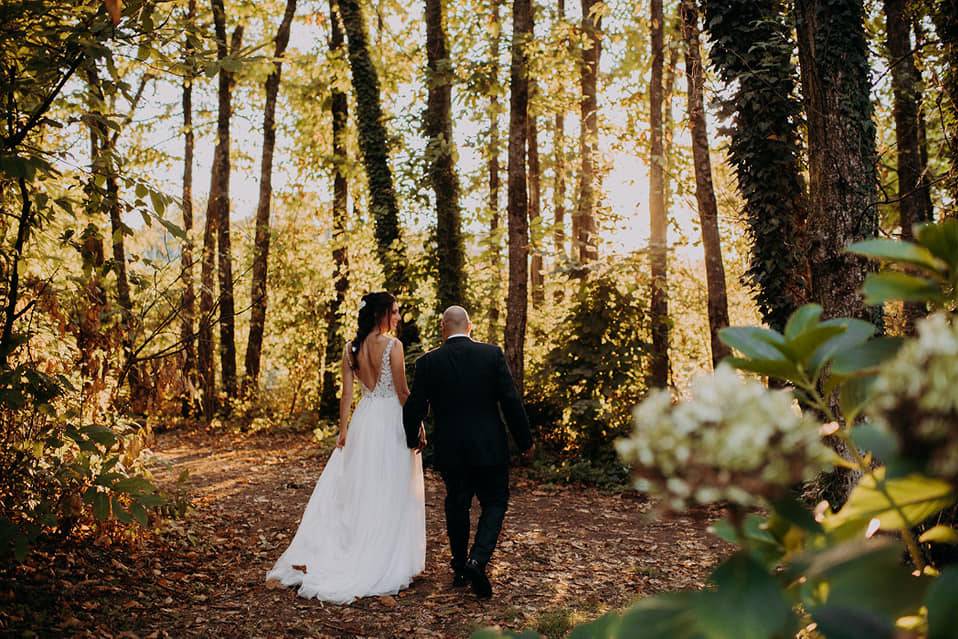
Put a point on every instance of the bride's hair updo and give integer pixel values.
(372, 310)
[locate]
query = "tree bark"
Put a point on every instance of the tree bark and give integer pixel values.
(219, 199)
(204, 339)
(658, 256)
(945, 16)
(559, 184)
(537, 277)
(440, 152)
(258, 295)
(841, 149)
(494, 170)
(704, 190)
(518, 204)
(188, 300)
(585, 234)
(329, 404)
(924, 180)
(372, 143)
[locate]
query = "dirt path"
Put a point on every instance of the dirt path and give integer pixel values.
(566, 554)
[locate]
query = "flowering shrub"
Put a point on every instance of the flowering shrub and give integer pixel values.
(890, 404)
(732, 440)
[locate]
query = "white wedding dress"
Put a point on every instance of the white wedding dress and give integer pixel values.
(364, 529)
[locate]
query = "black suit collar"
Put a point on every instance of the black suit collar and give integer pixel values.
(457, 339)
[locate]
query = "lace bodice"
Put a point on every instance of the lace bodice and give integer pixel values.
(384, 385)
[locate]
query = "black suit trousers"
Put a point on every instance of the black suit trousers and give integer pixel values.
(490, 484)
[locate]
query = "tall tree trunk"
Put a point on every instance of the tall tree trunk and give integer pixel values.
(673, 46)
(833, 52)
(905, 83)
(518, 206)
(765, 146)
(924, 179)
(204, 339)
(658, 246)
(537, 276)
(945, 16)
(494, 171)
(372, 143)
(188, 300)
(329, 404)
(559, 185)
(440, 153)
(219, 199)
(704, 190)
(585, 231)
(257, 322)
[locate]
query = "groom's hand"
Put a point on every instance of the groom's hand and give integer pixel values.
(422, 439)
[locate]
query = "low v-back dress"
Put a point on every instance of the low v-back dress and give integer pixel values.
(364, 530)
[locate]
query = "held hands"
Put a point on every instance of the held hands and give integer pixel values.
(422, 439)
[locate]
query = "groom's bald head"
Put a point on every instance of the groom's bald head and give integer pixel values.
(455, 320)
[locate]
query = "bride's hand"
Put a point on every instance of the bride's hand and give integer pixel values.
(342, 439)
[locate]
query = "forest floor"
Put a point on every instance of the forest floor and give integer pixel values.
(566, 554)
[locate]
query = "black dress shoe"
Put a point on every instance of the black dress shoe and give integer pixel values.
(460, 579)
(480, 583)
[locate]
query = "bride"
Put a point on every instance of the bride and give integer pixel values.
(364, 531)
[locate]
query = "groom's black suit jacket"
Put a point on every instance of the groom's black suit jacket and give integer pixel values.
(466, 383)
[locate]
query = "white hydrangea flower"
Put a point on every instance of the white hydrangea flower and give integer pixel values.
(916, 395)
(732, 440)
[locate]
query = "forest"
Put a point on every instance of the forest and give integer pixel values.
(717, 241)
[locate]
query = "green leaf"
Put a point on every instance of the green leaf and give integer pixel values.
(122, 514)
(776, 368)
(791, 510)
(139, 513)
(100, 434)
(134, 485)
(941, 239)
(853, 396)
(865, 358)
(940, 534)
(899, 251)
(174, 229)
(101, 506)
(748, 603)
(605, 627)
(900, 502)
(881, 443)
(805, 344)
(804, 318)
(839, 622)
(892, 285)
(942, 603)
(856, 333)
(753, 342)
(668, 616)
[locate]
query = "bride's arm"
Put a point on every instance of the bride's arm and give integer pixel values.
(397, 361)
(346, 399)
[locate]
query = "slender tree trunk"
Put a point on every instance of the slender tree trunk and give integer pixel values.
(204, 340)
(658, 255)
(329, 404)
(24, 223)
(494, 170)
(372, 143)
(257, 323)
(673, 46)
(945, 16)
(841, 147)
(518, 207)
(585, 231)
(927, 210)
(704, 190)
(440, 153)
(537, 279)
(905, 82)
(188, 301)
(559, 184)
(219, 200)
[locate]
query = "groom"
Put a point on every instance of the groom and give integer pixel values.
(470, 390)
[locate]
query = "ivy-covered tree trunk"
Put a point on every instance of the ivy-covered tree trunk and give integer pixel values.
(219, 199)
(257, 322)
(704, 190)
(559, 184)
(493, 169)
(518, 203)
(585, 229)
(833, 52)
(658, 248)
(339, 105)
(752, 50)
(188, 299)
(372, 143)
(945, 16)
(450, 254)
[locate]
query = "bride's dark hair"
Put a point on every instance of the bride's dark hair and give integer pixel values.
(372, 310)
